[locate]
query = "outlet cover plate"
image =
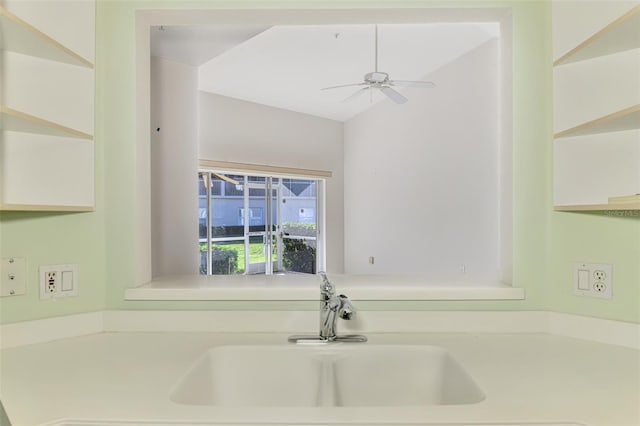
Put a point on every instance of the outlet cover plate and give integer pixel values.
(64, 274)
(593, 280)
(12, 276)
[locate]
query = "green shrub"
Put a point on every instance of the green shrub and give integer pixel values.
(298, 256)
(224, 260)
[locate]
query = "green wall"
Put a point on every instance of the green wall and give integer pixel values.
(51, 239)
(598, 237)
(545, 243)
(45, 238)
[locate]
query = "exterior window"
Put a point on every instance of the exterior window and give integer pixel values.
(257, 224)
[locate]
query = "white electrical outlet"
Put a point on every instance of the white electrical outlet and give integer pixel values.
(58, 281)
(593, 280)
(599, 275)
(51, 282)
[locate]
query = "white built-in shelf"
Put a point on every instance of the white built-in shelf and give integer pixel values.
(626, 119)
(18, 36)
(620, 35)
(597, 207)
(17, 121)
(45, 208)
(21, 37)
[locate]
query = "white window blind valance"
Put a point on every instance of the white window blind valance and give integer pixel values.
(263, 169)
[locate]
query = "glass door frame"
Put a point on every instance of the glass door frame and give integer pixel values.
(271, 228)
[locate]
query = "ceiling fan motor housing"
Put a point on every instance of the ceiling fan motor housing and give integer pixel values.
(376, 77)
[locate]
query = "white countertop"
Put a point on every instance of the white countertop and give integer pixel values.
(128, 377)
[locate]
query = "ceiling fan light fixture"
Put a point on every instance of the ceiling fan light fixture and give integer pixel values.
(376, 77)
(380, 80)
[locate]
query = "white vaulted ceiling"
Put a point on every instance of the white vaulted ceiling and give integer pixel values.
(286, 66)
(196, 44)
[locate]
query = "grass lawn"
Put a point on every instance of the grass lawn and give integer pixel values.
(256, 253)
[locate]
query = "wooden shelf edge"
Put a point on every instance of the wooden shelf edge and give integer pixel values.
(576, 131)
(45, 208)
(612, 25)
(73, 56)
(596, 207)
(40, 123)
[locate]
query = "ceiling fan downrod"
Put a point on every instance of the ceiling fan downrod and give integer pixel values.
(376, 50)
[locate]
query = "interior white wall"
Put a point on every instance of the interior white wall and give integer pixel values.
(239, 131)
(174, 166)
(422, 179)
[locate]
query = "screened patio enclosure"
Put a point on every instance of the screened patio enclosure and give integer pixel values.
(256, 224)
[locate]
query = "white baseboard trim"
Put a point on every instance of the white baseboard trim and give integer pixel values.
(568, 325)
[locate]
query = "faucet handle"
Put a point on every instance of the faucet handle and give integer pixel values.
(346, 310)
(325, 279)
(326, 288)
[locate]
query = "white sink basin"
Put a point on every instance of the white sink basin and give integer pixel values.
(337, 375)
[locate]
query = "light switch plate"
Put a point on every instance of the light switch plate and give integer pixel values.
(593, 280)
(13, 280)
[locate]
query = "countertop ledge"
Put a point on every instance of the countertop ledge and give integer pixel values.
(599, 330)
(305, 287)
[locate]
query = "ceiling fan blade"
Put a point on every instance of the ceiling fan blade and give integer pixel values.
(407, 83)
(356, 94)
(393, 95)
(344, 85)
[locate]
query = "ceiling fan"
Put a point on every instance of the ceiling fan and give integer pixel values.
(380, 80)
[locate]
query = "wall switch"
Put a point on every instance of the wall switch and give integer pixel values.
(66, 282)
(58, 281)
(583, 280)
(593, 280)
(12, 276)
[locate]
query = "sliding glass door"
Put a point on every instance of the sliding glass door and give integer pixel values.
(222, 236)
(257, 224)
(298, 234)
(260, 224)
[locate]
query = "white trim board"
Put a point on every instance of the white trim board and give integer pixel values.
(567, 325)
(45, 330)
(305, 287)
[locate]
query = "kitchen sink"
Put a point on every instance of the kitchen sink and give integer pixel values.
(337, 375)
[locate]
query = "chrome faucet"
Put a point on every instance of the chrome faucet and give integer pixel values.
(332, 307)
